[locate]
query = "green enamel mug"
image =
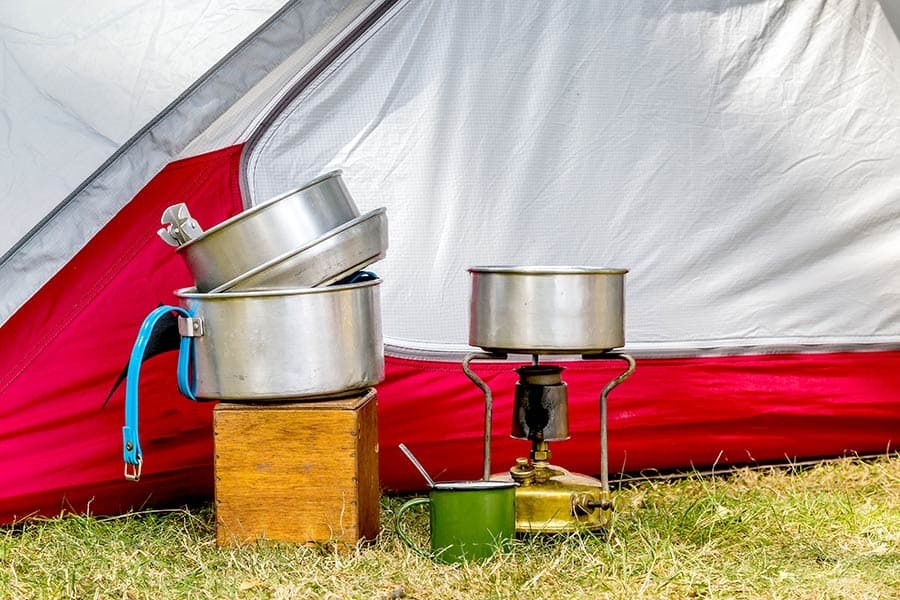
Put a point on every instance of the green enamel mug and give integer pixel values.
(470, 520)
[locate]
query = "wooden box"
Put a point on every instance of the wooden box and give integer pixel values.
(300, 472)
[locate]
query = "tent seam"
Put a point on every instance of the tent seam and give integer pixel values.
(321, 79)
(276, 119)
(94, 291)
(147, 129)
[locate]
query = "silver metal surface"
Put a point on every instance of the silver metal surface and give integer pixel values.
(329, 258)
(190, 327)
(179, 228)
(488, 404)
(278, 344)
(267, 231)
(604, 452)
(417, 464)
(547, 310)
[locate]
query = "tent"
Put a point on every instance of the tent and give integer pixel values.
(740, 158)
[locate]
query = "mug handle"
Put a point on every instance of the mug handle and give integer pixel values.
(409, 504)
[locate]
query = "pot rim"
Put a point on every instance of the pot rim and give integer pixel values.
(546, 270)
(472, 485)
(255, 209)
(191, 293)
(343, 228)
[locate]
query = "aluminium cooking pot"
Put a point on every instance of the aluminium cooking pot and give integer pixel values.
(338, 253)
(270, 345)
(547, 309)
(259, 235)
(278, 344)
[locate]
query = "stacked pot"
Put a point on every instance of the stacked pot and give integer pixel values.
(281, 310)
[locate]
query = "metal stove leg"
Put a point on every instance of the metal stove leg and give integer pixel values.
(488, 403)
(604, 453)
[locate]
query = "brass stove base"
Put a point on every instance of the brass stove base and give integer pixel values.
(559, 501)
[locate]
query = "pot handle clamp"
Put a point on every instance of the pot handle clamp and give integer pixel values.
(189, 328)
(131, 451)
(180, 228)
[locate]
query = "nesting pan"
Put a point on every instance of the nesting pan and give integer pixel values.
(547, 310)
(308, 237)
(330, 257)
(266, 320)
(287, 343)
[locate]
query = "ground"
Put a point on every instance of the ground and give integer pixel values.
(831, 531)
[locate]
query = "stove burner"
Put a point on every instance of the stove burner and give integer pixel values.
(541, 410)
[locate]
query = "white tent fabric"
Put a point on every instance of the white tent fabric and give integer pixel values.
(80, 80)
(741, 158)
(50, 144)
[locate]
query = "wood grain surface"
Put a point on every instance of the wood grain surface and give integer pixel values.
(297, 472)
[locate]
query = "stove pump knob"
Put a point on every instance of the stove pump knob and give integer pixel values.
(522, 472)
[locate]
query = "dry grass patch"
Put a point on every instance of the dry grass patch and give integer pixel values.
(832, 531)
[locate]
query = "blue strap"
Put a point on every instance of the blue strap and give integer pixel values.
(186, 385)
(360, 276)
(131, 446)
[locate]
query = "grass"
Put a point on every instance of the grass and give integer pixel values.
(832, 531)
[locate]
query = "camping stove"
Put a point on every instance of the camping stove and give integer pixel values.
(549, 498)
(548, 311)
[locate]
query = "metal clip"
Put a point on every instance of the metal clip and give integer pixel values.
(180, 226)
(190, 326)
(135, 475)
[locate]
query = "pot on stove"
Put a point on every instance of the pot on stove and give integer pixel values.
(547, 309)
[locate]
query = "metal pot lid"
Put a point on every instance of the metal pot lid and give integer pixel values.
(548, 270)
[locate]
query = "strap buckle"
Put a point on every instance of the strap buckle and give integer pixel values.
(135, 474)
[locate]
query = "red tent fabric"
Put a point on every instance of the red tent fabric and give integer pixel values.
(60, 449)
